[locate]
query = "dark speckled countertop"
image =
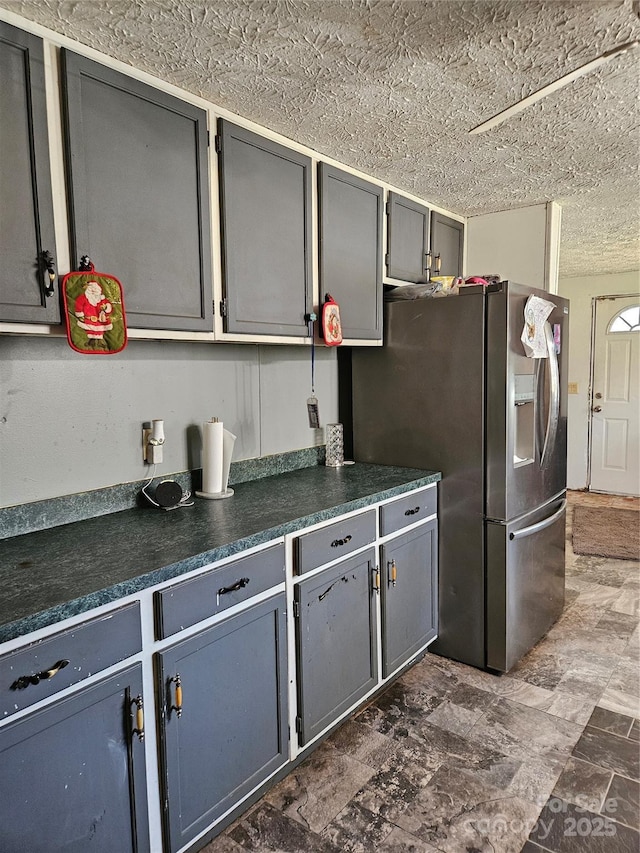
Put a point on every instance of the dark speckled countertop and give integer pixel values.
(53, 574)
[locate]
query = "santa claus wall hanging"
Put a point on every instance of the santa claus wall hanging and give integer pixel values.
(94, 311)
(331, 325)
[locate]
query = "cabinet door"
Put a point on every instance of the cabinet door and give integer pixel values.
(26, 207)
(265, 199)
(139, 193)
(231, 733)
(447, 240)
(409, 595)
(73, 774)
(351, 250)
(336, 632)
(407, 239)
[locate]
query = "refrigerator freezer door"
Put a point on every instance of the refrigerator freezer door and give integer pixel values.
(525, 582)
(419, 401)
(526, 406)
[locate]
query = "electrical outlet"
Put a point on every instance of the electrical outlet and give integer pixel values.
(572, 388)
(152, 441)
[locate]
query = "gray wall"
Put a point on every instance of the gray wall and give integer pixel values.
(71, 423)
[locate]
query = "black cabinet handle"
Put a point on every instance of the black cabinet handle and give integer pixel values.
(47, 260)
(412, 511)
(338, 542)
(37, 677)
(235, 587)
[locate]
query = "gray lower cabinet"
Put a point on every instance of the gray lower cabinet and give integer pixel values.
(265, 210)
(447, 240)
(409, 597)
(336, 631)
(223, 717)
(26, 211)
(407, 239)
(350, 257)
(73, 774)
(138, 186)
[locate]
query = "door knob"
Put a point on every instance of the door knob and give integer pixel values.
(597, 409)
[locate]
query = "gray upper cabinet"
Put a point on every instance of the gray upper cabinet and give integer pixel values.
(265, 200)
(351, 250)
(447, 240)
(137, 169)
(407, 239)
(26, 209)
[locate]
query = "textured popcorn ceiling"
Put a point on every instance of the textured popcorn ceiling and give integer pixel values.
(391, 87)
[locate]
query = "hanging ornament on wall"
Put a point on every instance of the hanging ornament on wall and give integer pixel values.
(94, 311)
(331, 326)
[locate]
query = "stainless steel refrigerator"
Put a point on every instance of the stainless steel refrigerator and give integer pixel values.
(453, 390)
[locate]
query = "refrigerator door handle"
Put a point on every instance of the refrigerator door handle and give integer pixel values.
(540, 525)
(554, 396)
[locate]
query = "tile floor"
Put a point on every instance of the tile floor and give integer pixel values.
(456, 760)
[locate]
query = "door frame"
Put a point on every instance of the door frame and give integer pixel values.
(592, 364)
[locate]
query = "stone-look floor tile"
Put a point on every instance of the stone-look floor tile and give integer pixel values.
(583, 784)
(222, 844)
(463, 673)
(357, 830)
(440, 747)
(625, 677)
(632, 651)
(570, 596)
(617, 724)
(616, 625)
(516, 730)
(586, 674)
(540, 669)
(362, 743)
(456, 812)
(577, 617)
(454, 718)
(565, 828)
(575, 709)
(623, 801)
(572, 643)
(472, 698)
(621, 702)
(319, 788)
(400, 706)
(634, 734)
(602, 596)
(267, 830)
(518, 690)
(608, 751)
(628, 601)
(530, 847)
(537, 777)
(400, 841)
(418, 757)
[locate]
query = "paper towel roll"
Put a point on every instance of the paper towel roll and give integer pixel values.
(212, 456)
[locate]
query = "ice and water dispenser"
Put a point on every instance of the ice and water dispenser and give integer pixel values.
(524, 419)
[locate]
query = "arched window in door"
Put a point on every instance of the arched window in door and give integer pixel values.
(628, 320)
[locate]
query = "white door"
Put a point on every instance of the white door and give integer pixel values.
(615, 400)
